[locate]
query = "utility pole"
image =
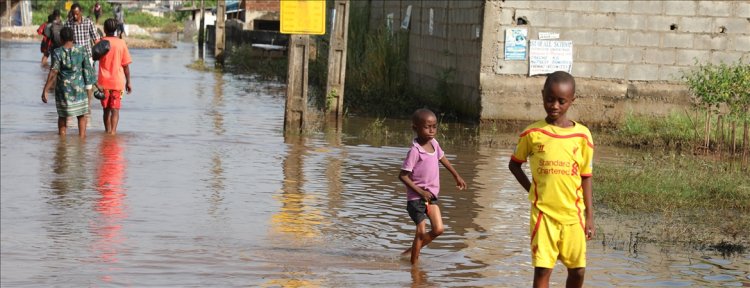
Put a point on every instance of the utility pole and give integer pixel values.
(296, 86)
(220, 28)
(337, 61)
(201, 32)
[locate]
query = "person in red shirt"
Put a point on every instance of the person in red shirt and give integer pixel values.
(114, 76)
(46, 42)
(97, 11)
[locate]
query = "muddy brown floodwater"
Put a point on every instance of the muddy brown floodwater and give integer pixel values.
(201, 188)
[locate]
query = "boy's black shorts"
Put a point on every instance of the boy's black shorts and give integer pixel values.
(418, 209)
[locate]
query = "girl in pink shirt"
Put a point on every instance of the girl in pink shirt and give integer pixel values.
(421, 176)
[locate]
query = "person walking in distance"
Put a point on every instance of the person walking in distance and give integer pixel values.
(120, 17)
(97, 11)
(84, 33)
(46, 43)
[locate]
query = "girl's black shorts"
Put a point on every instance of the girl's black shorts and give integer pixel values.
(418, 209)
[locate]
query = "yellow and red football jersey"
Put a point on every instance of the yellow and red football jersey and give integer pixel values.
(558, 157)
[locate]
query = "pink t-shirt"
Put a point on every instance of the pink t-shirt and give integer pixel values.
(424, 168)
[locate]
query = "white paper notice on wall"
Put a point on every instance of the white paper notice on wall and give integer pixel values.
(432, 16)
(389, 22)
(547, 56)
(549, 35)
(515, 43)
(407, 17)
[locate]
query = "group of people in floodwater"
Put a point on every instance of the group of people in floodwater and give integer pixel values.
(562, 215)
(68, 44)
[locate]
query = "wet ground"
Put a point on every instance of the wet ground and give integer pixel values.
(201, 188)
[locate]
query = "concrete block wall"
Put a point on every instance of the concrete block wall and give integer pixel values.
(450, 52)
(622, 43)
(646, 38)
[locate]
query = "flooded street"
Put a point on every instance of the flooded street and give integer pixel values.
(201, 188)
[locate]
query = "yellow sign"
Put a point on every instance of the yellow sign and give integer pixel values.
(303, 17)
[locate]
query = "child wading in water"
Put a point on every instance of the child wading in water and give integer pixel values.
(114, 76)
(560, 152)
(421, 175)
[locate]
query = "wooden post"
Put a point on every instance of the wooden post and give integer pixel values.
(734, 138)
(337, 61)
(720, 136)
(296, 87)
(201, 31)
(7, 11)
(707, 141)
(745, 144)
(221, 15)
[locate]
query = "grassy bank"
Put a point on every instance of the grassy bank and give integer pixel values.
(693, 198)
(677, 129)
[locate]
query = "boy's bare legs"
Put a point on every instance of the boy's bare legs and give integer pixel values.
(575, 277)
(107, 122)
(111, 117)
(541, 277)
(62, 126)
(422, 238)
(82, 126)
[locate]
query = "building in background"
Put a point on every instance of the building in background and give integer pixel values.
(15, 13)
(627, 56)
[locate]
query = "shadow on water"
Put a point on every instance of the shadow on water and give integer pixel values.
(201, 188)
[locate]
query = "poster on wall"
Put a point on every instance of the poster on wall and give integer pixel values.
(515, 43)
(547, 56)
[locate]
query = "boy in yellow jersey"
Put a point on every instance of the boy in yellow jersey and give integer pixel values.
(560, 153)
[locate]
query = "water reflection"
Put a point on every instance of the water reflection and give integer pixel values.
(67, 209)
(296, 217)
(333, 171)
(217, 103)
(69, 169)
(110, 206)
(419, 278)
(502, 209)
(216, 182)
